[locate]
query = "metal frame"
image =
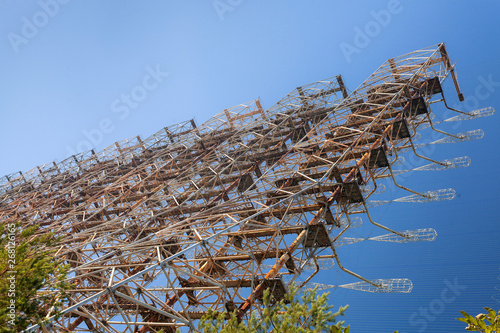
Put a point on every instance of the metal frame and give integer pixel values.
(158, 230)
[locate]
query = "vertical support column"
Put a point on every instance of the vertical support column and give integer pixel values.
(449, 67)
(342, 87)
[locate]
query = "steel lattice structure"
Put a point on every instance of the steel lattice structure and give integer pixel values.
(158, 230)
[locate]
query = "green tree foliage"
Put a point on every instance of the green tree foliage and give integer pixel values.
(486, 323)
(31, 279)
(308, 313)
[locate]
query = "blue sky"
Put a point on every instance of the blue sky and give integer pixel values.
(65, 76)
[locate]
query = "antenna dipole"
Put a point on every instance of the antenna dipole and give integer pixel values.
(378, 286)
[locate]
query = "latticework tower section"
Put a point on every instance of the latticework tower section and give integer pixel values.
(159, 230)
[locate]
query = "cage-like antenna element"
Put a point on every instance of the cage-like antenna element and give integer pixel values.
(378, 286)
(382, 286)
(424, 197)
(369, 188)
(454, 163)
(461, 137)
(430, 196)
(356, 222)
(418, 235)
(475, 114)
